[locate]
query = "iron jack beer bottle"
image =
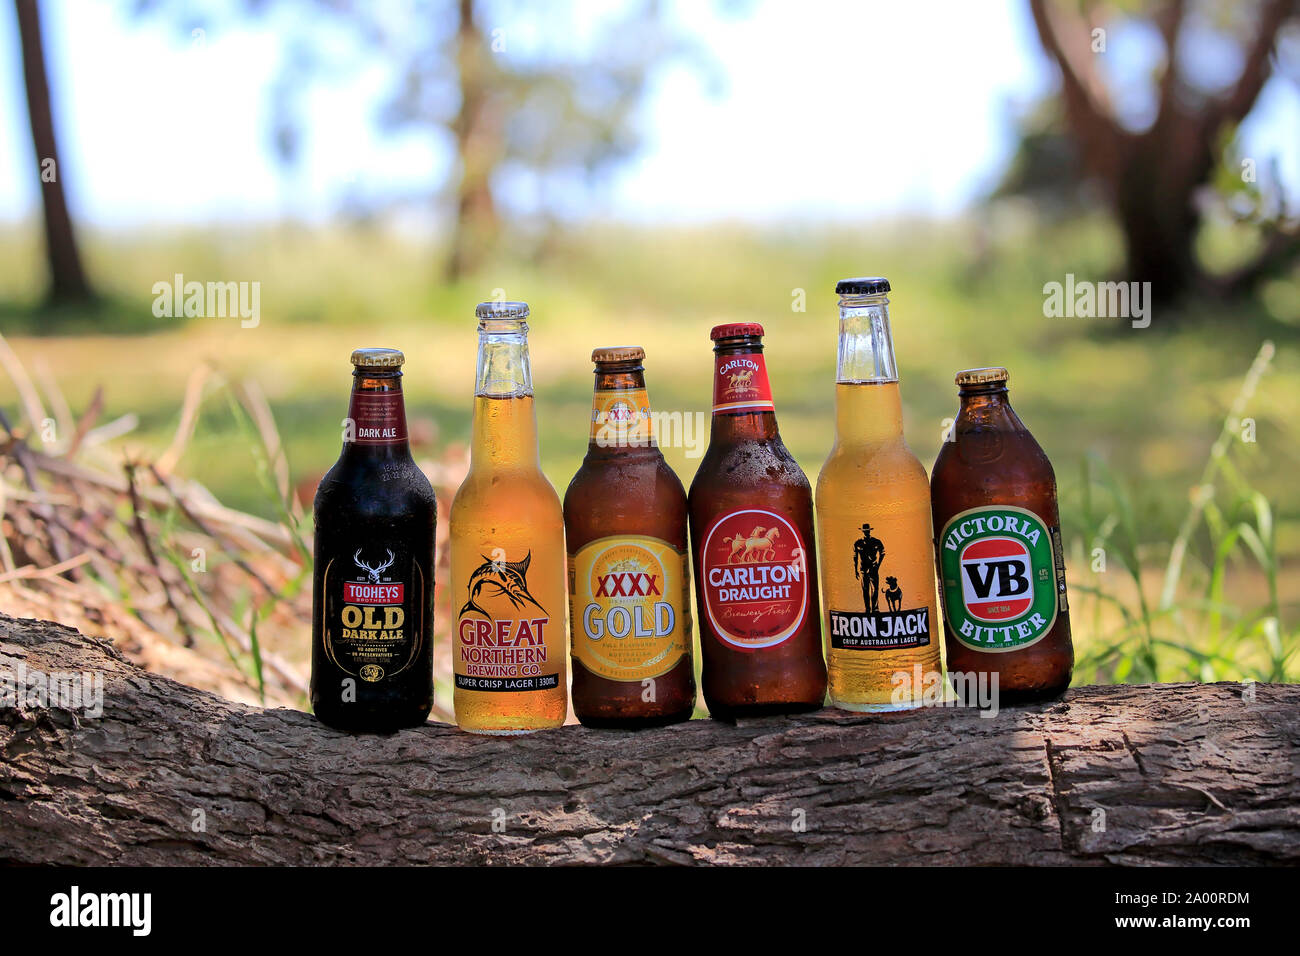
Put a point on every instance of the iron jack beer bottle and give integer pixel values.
(372, 589)
(507, 549)
(625, 524)
(751, 522)
(998, 543)
(873, 524)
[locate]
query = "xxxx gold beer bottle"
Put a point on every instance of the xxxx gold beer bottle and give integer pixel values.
(625, 524)
(751, 520)
(372, 589)
(507, 549)
(998, 542)
(873, 524)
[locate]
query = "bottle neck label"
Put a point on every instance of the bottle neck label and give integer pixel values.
(740, 383)
(1003, 577)
(754, 575)
(377, 418)
(621, 418)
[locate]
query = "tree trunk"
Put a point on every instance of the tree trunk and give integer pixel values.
(68, 281)
(1178, 773)
(479, 149)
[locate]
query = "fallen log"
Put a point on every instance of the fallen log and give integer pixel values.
(167, 774)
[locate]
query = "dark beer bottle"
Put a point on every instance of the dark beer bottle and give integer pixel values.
(372, 597)
(998, 544)
(751, 519)
(625, 526)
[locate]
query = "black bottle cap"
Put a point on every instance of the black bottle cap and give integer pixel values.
(863, 285)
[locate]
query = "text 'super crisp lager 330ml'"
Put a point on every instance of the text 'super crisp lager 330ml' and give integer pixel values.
(873, 524)
(507, 550)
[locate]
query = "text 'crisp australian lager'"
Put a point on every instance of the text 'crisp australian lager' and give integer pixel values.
(507, 549)
(998, 542)
(751, 521)
(372, 589)
(625, 527)
(873, 524)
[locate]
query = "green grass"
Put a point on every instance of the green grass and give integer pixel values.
(1127, 416)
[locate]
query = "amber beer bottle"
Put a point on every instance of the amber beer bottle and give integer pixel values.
(372, 589)
(751, 521)
(998, 543)
(625, 526)
(873, 524)
(507, 549)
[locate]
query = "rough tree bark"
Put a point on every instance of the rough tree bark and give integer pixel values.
(1184, 773)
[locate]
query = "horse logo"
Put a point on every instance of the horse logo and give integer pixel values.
(758, 545)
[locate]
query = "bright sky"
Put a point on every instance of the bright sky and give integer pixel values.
(831, 111)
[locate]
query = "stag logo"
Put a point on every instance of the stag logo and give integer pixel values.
(376, 571)
(508, 579)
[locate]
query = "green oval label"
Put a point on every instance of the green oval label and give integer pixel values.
(999, 582)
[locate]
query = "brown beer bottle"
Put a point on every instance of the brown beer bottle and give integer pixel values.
(751, 520)
(372, 592)
(998, 545)
(625, 526)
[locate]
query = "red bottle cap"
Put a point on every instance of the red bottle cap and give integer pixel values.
(735, 329)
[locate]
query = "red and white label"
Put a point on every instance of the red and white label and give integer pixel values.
(995, 579)
(740, 384)
(754, 573)
(378, 418)
(354, 593)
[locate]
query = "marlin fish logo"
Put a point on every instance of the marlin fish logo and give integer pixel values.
(508, 578)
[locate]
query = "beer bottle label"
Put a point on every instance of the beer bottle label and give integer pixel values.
(740, 384)
(754, 572)
(621, 418)
(1001, 577)
(374, 604)
(377, 418)
(627, 600)
(504, 634)
(878, 579)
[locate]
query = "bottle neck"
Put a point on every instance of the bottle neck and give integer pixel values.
(868, 409)
(376, 422)
(743, 409)
(505, 423)
(985, 406)
(621, 422)
(866, 352)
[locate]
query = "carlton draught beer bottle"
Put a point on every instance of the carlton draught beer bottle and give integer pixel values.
(372, 590)
(507, 549)
(751, 521)
(625, 525)
(998, 542)
(873, 524)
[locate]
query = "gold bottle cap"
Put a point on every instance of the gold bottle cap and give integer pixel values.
(378, 358)
(983, 376)
(618, 353)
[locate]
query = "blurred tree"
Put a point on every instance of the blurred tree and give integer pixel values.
(68, 281)
(1150, 148)
(539, 100)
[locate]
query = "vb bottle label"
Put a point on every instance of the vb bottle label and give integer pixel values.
(1001, 578)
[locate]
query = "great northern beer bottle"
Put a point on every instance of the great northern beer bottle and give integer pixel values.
(751, 522)
(507, 549)
(998, 542)
(372, 589)
(873, 524)
(625, 528)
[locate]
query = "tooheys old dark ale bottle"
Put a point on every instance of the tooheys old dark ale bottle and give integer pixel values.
(625, 528)
(751, 521)
(372, 598)
(998, 542)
